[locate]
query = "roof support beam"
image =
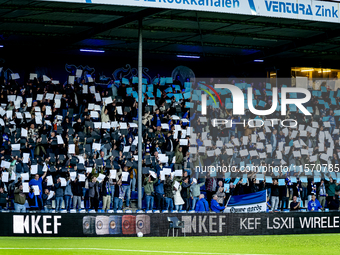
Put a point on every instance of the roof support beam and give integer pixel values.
(48, 22)
(89, 9)
(209, 32)
(248, 22)
(179, 42)
(323, 37)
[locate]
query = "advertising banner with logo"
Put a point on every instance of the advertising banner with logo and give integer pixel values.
(299, 9)
(205, 224)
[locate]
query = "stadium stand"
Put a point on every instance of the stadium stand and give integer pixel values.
(73, 146)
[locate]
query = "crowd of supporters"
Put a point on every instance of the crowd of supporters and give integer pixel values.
(74, 146)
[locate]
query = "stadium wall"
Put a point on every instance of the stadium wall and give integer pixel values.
(207, 224)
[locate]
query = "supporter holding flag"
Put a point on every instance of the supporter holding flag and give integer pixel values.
(269, 207)
(215, 207)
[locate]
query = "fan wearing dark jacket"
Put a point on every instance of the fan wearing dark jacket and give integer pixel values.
(77, 192)
(168, 188)
(94, 193)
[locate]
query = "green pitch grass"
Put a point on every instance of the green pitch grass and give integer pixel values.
(283, 244)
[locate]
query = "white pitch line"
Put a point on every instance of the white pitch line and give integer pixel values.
(126, 250)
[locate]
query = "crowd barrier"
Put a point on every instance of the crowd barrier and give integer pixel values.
(157, 224)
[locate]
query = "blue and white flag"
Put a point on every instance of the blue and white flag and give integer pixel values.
(249, 203)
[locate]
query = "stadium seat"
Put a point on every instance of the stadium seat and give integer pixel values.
(52, 211)
(134, 195)
(139, 211)
(144, 204)
(191, 211)
(182, 211)
(119, 211)
(92, 211)
(82, 211)
(73, 211)
(101, 211)
(110, 211)
(174, 211)
(326, 209)
(165, 211)
(148, 211)
(128, 211)
(175, 223)
(63, 211)
(156, 211)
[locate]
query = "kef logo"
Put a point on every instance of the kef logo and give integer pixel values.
(238, 100)
(46, 224)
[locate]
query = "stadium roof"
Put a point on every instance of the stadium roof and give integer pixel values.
(71, 26)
